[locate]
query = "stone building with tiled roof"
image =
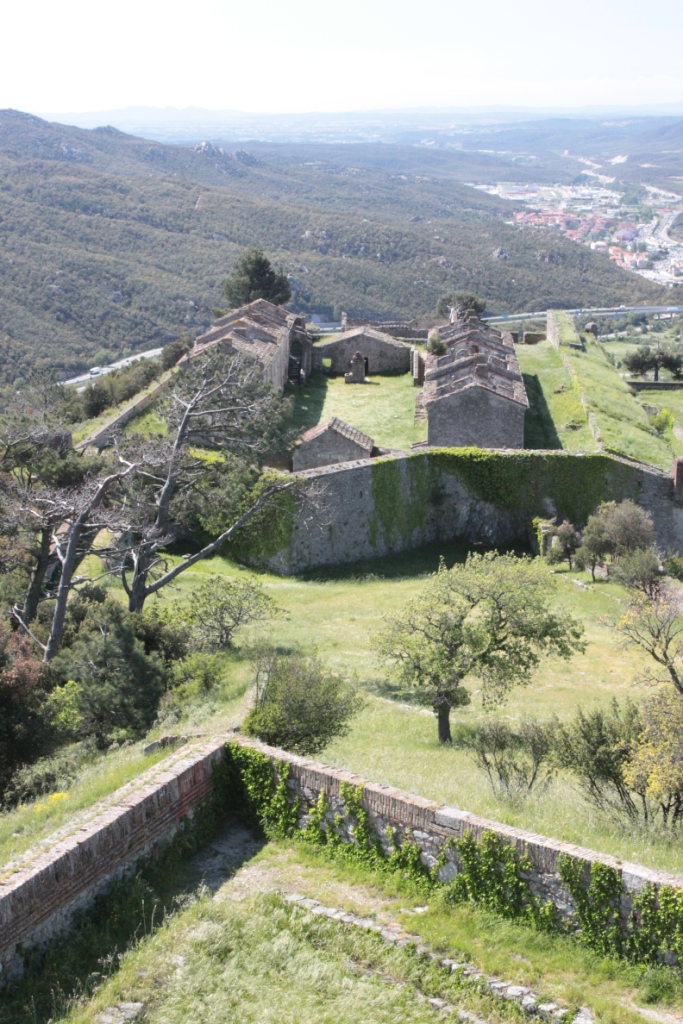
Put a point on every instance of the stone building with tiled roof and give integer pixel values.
(331, 442)
(474, 395)
(268, 333)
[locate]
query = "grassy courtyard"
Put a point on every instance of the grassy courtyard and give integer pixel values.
(382, 407)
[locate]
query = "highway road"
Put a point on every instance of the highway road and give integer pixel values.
(598, 311)
(152, 353)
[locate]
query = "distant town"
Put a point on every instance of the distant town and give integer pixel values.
(635, 236)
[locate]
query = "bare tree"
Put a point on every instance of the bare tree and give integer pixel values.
(221, 401)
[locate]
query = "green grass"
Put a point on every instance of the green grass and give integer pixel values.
(248, 956)
(383, 407)
(622, 422)
(29, 823)
(340, 614)
(556, 418)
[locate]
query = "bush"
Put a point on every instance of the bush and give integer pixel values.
(172, 352)
(299, 705)
(639, 571)
(515, 762)
(220, 606)
(436, 345)
(113, 688)
(47, 775)
(673, 566)
(596, 748)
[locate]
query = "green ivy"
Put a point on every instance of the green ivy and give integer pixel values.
(401, 491)
(652, 929)
(491, 875)
(258, 791)
(597, 904)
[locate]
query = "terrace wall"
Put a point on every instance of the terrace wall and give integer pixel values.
(374, 507)
(39, 900)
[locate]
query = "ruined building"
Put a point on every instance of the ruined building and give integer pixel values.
(474, 395)
(331, 442)
(381, 352)
(268, 333)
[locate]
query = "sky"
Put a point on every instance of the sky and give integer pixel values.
(325, 55)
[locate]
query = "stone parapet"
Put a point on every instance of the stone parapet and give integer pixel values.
(38, 899)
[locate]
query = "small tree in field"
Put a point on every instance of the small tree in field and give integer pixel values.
(565, 543)
(221, 606)
(488, 618)
(299, 705)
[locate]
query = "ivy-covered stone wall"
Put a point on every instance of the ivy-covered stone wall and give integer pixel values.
(377, 506)
(615, 908)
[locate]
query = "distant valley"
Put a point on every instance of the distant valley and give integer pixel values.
(112, 243)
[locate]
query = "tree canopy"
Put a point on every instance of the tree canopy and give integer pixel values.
(252, 277)
(644, 359)
(490, 619)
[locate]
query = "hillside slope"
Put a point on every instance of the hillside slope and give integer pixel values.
(110, 244)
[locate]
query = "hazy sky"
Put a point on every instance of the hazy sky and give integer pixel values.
(305, 55)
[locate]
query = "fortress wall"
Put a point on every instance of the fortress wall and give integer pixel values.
(373, 507)
(40, 897)
(39, 901)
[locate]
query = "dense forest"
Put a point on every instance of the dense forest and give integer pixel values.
(110, 244)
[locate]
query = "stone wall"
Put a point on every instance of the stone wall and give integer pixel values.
(475, 416)
(434, 827)
(103, 435)
(374, 507)
(383, 354)
(326, 449)
(40, 894)
(38, 899)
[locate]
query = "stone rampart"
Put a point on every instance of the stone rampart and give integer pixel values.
(38, 900)
(395, 814)
(374, 507)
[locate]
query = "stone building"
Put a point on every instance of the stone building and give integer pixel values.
(331, 442)
(474, 394)
(382, 353)
(268, 333)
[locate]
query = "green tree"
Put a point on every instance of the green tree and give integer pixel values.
(299, 704)
(462, 301)
(220, 606)
(644, 359)
(595, 544)
(565, 543)
(253, 277)
(113, 687)
(639, 571)
(490, 619)
(627, 526)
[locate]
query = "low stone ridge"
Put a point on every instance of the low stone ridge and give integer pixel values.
(396, 934)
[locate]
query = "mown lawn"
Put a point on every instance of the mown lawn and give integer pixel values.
(382, 407)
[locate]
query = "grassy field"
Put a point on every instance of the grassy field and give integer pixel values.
(340, 615)
(246, 955)
(556, 417)
(383, 407)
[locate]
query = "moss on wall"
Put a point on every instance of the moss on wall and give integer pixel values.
(401, 493)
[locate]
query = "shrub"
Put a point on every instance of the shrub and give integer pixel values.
(22, 727)
(515, 762)
(299, 705)
(220, 606)
(673, 565)
(436, 345)
(596, 748)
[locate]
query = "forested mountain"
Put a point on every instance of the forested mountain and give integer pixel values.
(110, 243)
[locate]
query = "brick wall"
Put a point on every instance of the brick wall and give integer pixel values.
(38, 900)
